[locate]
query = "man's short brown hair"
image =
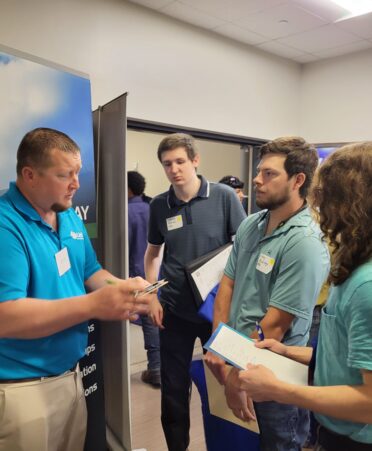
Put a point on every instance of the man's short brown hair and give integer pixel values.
(35, 147)
(176, 140)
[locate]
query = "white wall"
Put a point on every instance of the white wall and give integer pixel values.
(336, 99)
(175, 73)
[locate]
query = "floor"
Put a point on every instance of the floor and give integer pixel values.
(147, 433)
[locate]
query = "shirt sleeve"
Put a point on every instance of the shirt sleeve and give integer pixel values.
(14, 266)
(302, 270)
(154, 233)
(358, 320)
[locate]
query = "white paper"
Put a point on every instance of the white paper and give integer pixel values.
(240, 350)
(63, 261)
(210, 274)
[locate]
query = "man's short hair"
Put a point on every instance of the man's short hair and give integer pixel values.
(300, 157)
(176, 140)
(232, 181)
(36, 146)
(136, 183)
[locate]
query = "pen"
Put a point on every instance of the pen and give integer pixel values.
(149, 289)
(261, 335)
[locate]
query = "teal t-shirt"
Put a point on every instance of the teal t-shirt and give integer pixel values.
(345, 344)
(285, 269)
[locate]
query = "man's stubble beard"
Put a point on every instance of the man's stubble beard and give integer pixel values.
(59, 208)
(274, 203)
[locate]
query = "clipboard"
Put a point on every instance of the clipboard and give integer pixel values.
(206, 271)
(239, 350)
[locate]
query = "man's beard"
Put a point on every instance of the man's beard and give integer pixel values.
(58, 208)
(274, 202)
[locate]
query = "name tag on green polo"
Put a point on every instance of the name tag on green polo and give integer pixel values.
(265, 263)
(175, 222)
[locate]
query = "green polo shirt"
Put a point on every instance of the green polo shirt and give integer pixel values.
(285, 270)
(345, 344)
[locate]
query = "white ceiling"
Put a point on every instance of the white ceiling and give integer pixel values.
(301, 30)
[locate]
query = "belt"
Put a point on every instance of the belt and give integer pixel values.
(32, 379)
(332, 441)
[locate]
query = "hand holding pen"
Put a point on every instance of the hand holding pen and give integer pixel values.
(140, 301)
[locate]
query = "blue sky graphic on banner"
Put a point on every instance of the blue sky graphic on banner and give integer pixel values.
(35, 95)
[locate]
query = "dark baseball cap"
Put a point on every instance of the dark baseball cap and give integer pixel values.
(232, 181)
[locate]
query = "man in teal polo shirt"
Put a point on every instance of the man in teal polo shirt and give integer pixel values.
(47, 265)
(341, 397)
(274, 274)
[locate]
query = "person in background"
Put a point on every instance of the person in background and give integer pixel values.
(274, 274)
(192, 218)
(342, 393)
(47, 265)
(235, 183)
(138, 217)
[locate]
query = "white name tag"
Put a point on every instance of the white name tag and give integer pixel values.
(63, 261)
(265, 263)
(175, 222)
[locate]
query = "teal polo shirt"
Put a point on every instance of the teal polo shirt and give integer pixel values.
(285, 269)
(345, 344)
(28, 269)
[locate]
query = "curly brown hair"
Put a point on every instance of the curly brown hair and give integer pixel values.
(341, 196)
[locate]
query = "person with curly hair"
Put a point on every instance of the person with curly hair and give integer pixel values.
(342, 393)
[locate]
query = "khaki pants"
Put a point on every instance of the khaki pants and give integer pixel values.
(43, 415)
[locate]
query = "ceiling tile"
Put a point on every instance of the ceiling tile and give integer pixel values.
(283, 20)
(361, 25)
(233, 9)
(153, 4)
(240, 34)
(328, 11)
(279, 49)
(306, 58)
(320, 39)
(191, 15)
(344, 49)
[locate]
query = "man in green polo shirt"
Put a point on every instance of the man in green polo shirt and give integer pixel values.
(274, 274)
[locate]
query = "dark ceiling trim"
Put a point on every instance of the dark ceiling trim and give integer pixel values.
(158, 127)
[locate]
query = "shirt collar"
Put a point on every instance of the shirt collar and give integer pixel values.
(23, 205)
(172, 199)
(300, 219)
(135, 200)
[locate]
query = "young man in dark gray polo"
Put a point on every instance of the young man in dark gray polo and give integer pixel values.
(193, 218)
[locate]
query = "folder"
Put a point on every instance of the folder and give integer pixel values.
(206, 271)
(217, 402)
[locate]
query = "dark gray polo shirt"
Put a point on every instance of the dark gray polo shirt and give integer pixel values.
(190, 230)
